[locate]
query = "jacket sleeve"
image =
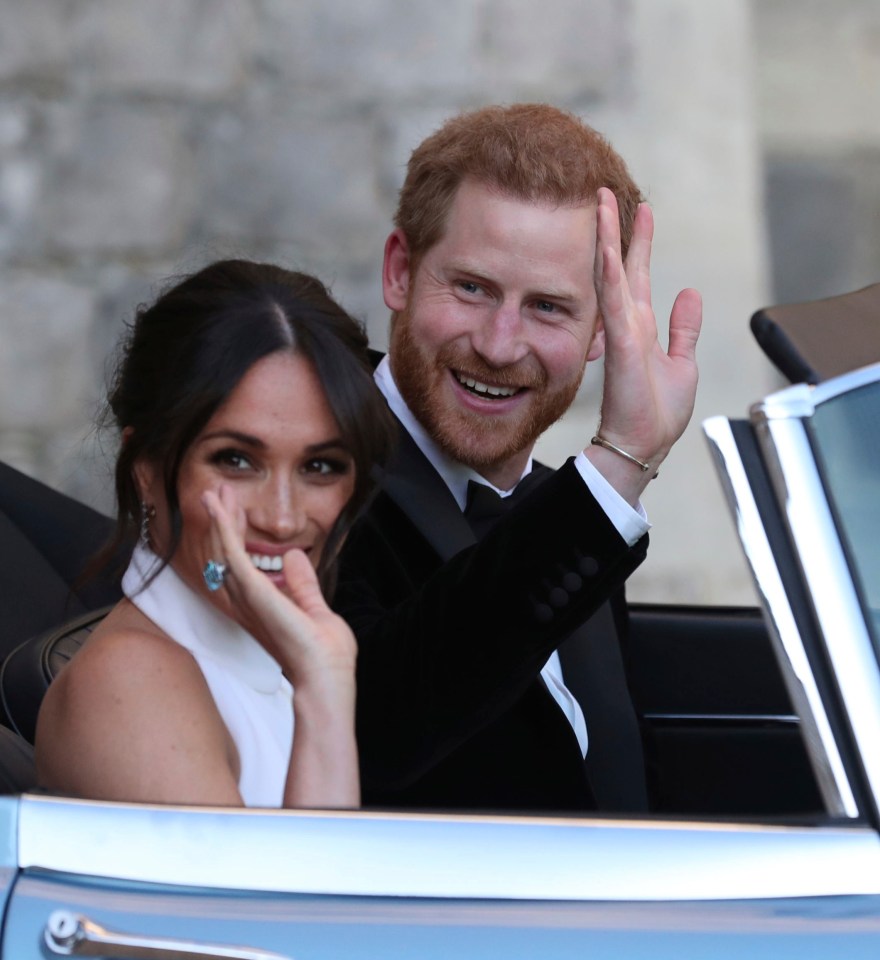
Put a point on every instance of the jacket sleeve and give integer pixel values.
(436, 666)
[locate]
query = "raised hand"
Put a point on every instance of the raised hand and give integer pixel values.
(295, 625)
(649, 392)
(316, 650)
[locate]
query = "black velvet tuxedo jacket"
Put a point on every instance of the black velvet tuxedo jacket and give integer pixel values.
(452, 635)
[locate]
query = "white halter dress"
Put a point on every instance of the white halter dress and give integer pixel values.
(253, 698)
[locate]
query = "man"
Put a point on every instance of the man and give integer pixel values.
(505, 275)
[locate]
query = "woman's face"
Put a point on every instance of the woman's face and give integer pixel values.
(276, 445)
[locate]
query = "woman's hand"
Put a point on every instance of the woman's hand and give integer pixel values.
(316, 650)
(294, 625)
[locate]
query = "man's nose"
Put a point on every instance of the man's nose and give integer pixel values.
(499, 339)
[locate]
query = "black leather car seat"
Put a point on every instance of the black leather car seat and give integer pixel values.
(28, 670)
(46, 541)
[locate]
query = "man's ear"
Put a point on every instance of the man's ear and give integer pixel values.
(597, 344)
(396, 271)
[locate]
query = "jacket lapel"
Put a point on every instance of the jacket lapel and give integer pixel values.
(419, 491)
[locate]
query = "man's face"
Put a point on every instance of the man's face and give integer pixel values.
(495, 325)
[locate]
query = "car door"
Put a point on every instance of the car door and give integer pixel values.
(130, 880)
(356, 885)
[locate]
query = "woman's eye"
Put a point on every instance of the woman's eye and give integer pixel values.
(326, 466)
(232, 459)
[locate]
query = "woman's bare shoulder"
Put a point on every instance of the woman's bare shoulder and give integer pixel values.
(132, 700)
(126, 661)
(126, 640)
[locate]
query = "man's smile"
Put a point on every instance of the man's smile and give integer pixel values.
(486, 390)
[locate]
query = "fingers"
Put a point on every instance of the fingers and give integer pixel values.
(613, 298)
(608, 268)
(226, 536)
(293, 624)
(622, 284)
(302, 582)
(607, 219)
(638, 257)
(685, 323)
(225, 542)
(215, 544)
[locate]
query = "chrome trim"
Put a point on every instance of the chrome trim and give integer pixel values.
(853, 380)
(785, 636)
(744, 719)
(69, 934)
(801, 399)
(829, 581)
(459, 857)
(795, 401)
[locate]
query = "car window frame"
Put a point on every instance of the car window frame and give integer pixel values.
(810, 597)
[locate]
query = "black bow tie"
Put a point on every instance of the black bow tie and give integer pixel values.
(484, 507)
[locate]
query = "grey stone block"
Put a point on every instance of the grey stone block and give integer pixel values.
(19, 188)
(164, 47)
(45, 370)
(818, 72)
(285, 176)
(380, 48)
(403, 130)
(34, 45)
(560, 51)
(866, 256)
(811, 215)
(121, 180)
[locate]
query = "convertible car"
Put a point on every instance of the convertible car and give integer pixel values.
(763, 729)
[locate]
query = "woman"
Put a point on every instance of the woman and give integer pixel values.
(249, 422)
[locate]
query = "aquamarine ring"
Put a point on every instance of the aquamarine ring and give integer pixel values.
(214, 574)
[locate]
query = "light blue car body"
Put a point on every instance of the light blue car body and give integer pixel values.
(126, 880)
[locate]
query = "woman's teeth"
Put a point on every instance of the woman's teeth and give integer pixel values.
(266, 563)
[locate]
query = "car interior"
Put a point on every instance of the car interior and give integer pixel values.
(722, 738)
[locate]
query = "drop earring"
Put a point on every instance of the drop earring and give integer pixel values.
(147, 514)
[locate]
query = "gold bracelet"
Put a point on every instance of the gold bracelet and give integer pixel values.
(608, 445)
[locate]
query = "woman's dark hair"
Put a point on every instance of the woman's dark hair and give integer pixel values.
(185, 354)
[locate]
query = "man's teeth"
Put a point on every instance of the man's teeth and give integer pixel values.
(485, 388)
(266, 563)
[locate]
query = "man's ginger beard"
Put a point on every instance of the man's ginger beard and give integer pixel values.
(479, 441)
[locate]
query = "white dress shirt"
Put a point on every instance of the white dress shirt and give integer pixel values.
(630, 524)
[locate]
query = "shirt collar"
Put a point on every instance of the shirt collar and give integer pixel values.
(455, 475)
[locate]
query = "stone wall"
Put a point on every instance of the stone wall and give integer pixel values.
(138, 140)
(818, 83)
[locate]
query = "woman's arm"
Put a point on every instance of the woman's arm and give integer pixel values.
(316, 650)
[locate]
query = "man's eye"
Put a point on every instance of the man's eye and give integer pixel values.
(545, 306)
(468, 286)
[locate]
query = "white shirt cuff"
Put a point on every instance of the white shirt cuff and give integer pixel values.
(632, 524)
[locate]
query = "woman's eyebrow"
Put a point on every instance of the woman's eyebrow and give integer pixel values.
(245, 439)
(337, 443)
(248, 440)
